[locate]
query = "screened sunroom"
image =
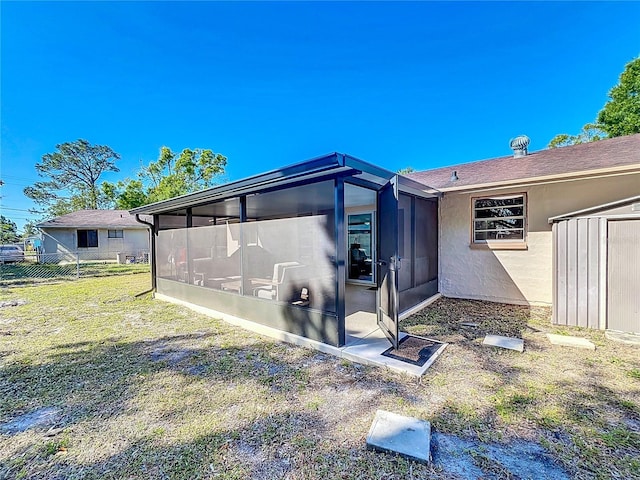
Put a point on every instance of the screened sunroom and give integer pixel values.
(326, 249)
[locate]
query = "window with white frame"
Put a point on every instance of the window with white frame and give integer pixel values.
(499, 218)
(115, 234)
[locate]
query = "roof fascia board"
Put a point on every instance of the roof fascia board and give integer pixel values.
(363, 182)
(369, 168)
(601, 173)
(292, 183)
(408, 185)
(271, 185)
(417, 192)
(606, 206)
(259, 188)
(405, 184)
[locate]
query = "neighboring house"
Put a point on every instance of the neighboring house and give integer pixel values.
(319, 248)
(95, 235)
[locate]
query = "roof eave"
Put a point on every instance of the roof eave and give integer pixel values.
(104, 227)
(580, 175)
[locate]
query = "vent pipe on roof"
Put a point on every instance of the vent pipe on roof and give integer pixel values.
(454, 176)
(519, 145)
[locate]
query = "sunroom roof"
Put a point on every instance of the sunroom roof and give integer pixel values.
(331, 165)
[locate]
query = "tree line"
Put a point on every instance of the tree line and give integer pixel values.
(72, 178)
(620, 115)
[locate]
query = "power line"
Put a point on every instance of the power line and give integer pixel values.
(16, 177)
(15, 209)
(13, 217)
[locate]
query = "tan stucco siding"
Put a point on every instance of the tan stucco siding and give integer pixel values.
(516, 276)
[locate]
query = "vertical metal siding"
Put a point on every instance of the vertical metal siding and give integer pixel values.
(572, 272)
(593, 272)
(582, 273)
(577, 270)
(560, 274)
(623, 276)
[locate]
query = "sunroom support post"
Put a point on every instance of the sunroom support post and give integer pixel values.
(243, 254)
(341, 258)
(413, 242)
(189, 280)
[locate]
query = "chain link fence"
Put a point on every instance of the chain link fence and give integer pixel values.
(32, 267)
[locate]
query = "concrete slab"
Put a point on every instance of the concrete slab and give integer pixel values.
(369, 352)
(567, 341)
(406, 436)
(628, 338)
(510, 343)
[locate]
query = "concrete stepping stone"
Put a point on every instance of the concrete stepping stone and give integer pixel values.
(510, 343)
(628, 338)
(407, 436)
(567, 341)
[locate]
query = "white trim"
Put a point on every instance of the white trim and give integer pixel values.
(418, 307)
(597, 208)
(508, 301)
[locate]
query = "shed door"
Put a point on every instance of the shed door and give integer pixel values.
(623, 272)
(387, 296)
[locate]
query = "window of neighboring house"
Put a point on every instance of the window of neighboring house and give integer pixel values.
(115, 234)
(499, 219)
(87, 238)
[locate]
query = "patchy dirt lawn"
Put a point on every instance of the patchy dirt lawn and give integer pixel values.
(95, 383)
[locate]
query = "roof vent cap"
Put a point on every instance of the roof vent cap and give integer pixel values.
(454, 176)
(519, 145)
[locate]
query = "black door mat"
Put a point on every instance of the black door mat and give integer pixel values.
(414, 350)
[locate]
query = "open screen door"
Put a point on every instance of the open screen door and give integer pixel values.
(387, 296)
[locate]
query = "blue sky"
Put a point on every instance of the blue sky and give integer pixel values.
(420, 84)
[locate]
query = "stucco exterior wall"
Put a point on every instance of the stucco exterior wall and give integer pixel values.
(516, 276)
(62, 240)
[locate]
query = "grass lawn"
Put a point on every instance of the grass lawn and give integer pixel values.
(135, 388)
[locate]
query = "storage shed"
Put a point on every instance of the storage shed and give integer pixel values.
(596, 254)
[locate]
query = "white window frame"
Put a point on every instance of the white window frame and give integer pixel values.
(498, 241)
(118, 233)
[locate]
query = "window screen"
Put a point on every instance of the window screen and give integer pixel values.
(499, 218)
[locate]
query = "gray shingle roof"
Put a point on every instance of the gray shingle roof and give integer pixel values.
(113, 219)
(585, 158)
